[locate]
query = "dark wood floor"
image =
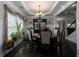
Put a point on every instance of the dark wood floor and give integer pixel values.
(23, 50)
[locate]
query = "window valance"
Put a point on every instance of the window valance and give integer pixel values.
(14, 12)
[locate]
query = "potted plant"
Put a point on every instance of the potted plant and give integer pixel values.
(16, 35)
(13, 36)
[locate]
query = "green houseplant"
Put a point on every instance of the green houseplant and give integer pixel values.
(13, 36)
(18, 32)
(16, 35)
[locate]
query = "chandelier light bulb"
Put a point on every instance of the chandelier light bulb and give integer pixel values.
(39, 14)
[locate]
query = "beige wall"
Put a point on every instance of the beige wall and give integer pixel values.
(51, 22)
(1, 23)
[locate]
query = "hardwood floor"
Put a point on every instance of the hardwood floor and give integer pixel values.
(23, 50)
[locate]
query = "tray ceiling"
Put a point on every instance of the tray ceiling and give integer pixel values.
(31, 7)
(45, 6)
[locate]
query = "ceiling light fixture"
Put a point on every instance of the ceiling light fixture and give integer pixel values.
(39, 13)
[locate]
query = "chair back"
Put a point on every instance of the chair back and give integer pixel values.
(45, 36)
(29, 34)
(32, 32)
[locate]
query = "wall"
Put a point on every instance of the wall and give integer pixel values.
(77, 27)
(1, 26)
(71, 37)
(50, 22)
(68, 20)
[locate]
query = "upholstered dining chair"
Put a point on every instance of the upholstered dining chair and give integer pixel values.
(45, 38)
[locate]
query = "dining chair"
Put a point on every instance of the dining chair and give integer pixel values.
(45, 38)
(32, 39)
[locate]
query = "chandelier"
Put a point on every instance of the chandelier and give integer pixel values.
(39, 13)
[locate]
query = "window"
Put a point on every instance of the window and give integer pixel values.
(19, 20)
(12, 19)
(11, 24)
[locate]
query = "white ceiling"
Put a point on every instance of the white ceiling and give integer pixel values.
(45, 6)
(31, 7)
